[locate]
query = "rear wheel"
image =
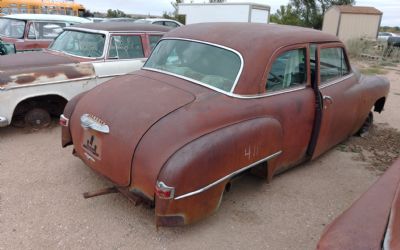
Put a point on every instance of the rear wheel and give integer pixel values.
(366, 125)
(37, 118)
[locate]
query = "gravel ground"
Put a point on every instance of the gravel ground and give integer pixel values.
(41, 203)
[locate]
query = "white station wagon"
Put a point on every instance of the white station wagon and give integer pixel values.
(36, 85)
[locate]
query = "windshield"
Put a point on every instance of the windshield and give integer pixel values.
(12, 28)
(80, 43)
(210, 65)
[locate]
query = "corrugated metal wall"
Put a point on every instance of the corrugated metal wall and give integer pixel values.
(358, 25)
(331, 21)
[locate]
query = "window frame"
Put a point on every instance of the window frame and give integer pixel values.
(28, 28)
(262, 87)
(337, 79)
(142, 40)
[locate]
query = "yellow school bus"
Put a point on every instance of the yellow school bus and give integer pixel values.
(66, 7)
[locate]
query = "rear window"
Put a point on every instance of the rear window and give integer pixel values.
(202, 63)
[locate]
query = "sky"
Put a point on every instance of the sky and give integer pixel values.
(390, 8)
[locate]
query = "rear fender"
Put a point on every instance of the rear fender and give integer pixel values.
(200, 170)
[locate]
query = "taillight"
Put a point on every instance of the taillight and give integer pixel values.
(163, 191)
(64, 121)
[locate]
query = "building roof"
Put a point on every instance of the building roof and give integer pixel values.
(122, 26)
(48, 17)
(357, 9)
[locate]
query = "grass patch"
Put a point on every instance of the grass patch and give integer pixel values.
(373, 70)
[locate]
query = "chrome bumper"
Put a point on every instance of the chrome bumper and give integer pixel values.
(3, 121)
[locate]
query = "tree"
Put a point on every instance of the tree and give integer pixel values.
(115, 13)
(286, 15)
(175, 15)
(87, 13)
(307, 13)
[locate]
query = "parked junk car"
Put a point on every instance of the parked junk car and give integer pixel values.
(34, 31)
(384, 36)
(372, 222)
(160, 21)
(209, 105)
(37, 84)
(6, 48)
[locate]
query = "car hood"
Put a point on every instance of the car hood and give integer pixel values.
(33, 59)
(129, 106)
(40, 68)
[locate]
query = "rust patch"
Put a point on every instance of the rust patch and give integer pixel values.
(32, 75)
(25, 79)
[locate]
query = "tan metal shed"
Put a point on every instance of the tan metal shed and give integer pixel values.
(350, 22)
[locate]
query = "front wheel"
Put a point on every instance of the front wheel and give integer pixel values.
(37, 118)
(366, 125)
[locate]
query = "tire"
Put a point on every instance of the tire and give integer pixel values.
(37, 118)
(366, 125)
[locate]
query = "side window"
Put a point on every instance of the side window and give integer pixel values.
(288, 70)
(23, 8)
(126, 47)
(159, 23)
(45, 30)
(153, 40)
(332, 64)
(171, 24)
(69, 11)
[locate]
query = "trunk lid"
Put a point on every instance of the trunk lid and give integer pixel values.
(128, 106)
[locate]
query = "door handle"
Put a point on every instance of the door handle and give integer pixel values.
(328, 100)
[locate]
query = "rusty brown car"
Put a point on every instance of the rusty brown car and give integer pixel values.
(214, 101)
(372, 222)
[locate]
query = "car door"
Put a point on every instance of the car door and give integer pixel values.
(290, 98)
(125, 54)
(336, 85)
(41, 33)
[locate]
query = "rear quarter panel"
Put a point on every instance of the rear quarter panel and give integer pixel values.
(212, 157)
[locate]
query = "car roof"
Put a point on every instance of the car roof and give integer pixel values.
(239, 35)
(121, 27)
(48, 17)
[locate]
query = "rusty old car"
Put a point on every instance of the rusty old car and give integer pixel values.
(35, 85)
(372, 222)
(213, 101)
(29, 32)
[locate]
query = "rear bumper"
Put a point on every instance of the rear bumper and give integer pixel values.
(3, 122)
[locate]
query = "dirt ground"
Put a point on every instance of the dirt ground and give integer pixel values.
(41, 203)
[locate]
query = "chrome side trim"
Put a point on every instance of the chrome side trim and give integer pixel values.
(228, 176)
(46, 83)
(333, 82)
(3, 121)
(108, 76)
(212, 44)
(280, 92)
(92, 122)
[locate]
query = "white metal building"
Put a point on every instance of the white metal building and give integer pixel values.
(350, 22)
(224, 12)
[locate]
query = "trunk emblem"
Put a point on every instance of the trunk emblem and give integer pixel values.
(95, 123)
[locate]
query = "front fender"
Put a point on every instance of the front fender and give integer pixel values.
(201, 168)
